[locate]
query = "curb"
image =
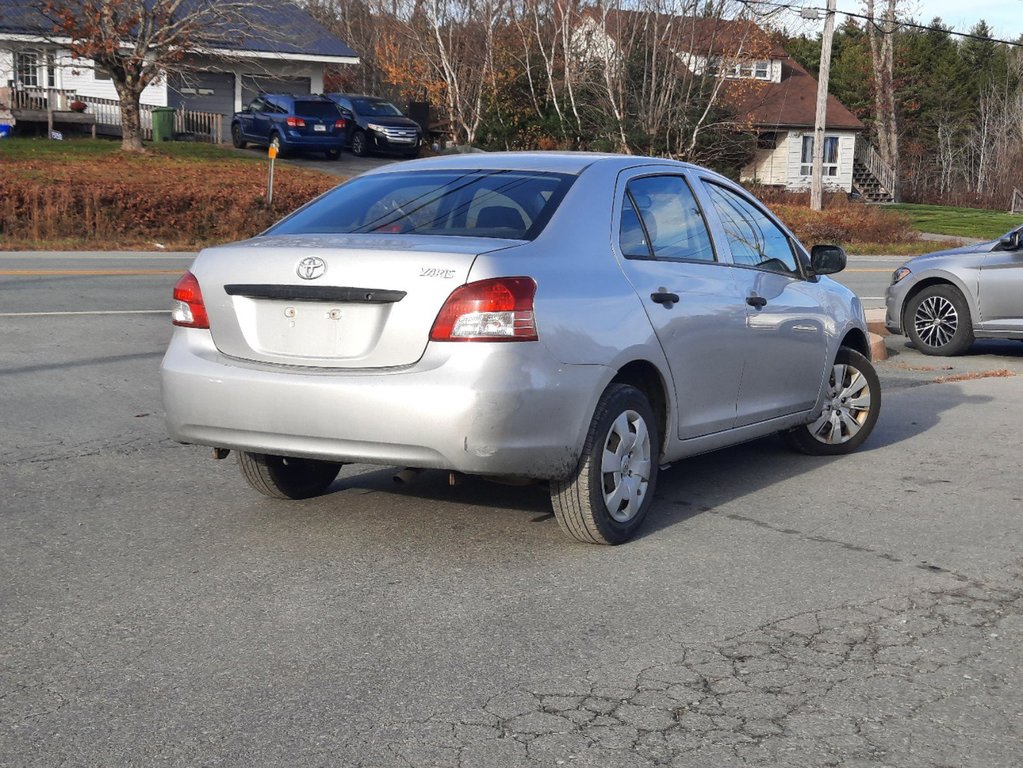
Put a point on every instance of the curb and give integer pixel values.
(876, 333)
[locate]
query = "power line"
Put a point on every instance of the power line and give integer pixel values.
(905, 24)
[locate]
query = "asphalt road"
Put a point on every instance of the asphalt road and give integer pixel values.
(777, 610)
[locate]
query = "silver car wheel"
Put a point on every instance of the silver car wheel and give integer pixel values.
(625, 466)
(852, 402)
(936, 321)
(847, 406)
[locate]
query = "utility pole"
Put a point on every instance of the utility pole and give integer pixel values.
(817, 172)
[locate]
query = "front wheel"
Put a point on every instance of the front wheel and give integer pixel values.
(236, 137)
(333, 154)
(606, 498)
(852, 401)
(938, 321)
(285, 477)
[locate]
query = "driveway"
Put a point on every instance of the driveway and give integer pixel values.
(347, 165)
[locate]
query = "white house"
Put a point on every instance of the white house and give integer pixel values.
(220, 81)
(769, 93)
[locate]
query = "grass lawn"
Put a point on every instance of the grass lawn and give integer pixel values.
(958, 222)
(25, 149)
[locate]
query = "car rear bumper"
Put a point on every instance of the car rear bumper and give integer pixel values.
(478, 408)
(294, 140)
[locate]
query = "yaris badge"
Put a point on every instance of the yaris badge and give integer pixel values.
(311, 267)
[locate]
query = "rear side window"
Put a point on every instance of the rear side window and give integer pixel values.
(500, 204)
(661, 219)
(755, 240)
(319, 109)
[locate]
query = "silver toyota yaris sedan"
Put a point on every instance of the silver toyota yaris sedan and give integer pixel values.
(575, 318)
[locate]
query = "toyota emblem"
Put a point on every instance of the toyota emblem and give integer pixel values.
(311, 267)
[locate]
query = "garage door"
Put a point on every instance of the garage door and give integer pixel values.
(253, 85)
(204, 92)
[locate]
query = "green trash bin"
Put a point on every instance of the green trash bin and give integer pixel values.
(163, 123)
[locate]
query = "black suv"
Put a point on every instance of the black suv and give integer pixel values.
(375, 124)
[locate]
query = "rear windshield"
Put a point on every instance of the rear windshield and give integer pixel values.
(501, 204)
(316, 109)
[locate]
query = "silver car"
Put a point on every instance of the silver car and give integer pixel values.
(944, 300)
(573, 318)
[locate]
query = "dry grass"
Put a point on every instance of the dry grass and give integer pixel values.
(843, 222)
(111, 199)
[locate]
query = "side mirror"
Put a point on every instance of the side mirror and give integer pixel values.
(827, 259)
(1011, 242)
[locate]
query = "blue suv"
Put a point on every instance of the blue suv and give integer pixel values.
(291, 123)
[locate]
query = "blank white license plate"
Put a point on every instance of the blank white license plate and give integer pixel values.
(321, 128)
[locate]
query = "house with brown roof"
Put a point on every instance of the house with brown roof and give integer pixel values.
(769, 94)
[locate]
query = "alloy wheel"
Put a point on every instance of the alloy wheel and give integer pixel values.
(936, 321)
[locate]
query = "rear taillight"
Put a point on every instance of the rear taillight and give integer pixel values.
(189, 310)
(500, 309)
(295, 122)
(339, 124)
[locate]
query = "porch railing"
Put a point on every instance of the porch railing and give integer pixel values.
(883, 172)
(202, 126)
(39, 99)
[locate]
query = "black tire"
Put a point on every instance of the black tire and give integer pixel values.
(360, 147)
(236, 137)
(853, 401)
(284, 477)
(333, 154)
(597, 504)
(938, 321)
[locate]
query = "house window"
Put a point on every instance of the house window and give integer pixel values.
(745, 70)
(26, 67)
(830, 156)
(100, 74)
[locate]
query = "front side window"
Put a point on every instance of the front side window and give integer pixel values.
(482, 203)
(754, 239)
(661, 219)
(830, 156)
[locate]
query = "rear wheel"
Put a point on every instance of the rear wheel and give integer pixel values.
(236, 137)
(285, 477)
(360, 147)
(606, 498)
(938, 321)
(852, 402)
(333, 154)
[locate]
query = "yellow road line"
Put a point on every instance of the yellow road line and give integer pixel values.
(98, 272)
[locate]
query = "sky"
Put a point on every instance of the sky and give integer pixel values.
(1004, 17)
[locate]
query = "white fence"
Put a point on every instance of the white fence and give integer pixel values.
(200, 126)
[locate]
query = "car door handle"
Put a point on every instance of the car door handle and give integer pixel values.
(756, 301)
(665, 297)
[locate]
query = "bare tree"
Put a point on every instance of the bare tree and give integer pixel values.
(138, 41)
(881, 34)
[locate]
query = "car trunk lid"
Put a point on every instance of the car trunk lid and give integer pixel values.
(339, 301)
